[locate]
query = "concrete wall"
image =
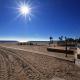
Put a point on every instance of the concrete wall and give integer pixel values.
(77, 61)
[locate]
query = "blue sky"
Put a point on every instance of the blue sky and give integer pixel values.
(51, 18)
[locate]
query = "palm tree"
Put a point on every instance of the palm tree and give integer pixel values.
(61, 38)
(51, 40)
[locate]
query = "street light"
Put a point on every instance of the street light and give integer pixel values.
(66, 46)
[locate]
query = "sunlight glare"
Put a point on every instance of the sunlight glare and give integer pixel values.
(25, 10)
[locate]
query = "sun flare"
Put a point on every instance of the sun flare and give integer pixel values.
(25, 10)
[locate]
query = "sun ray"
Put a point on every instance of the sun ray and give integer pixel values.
(24, 9)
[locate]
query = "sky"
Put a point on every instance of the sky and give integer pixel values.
(49, 18)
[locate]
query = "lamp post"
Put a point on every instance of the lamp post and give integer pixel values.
(66, 46)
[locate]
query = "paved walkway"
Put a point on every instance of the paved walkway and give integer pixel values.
(54, 54)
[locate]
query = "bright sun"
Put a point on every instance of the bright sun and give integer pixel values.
(24, 10)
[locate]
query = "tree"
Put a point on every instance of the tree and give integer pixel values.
(76, 41)
(79, 40)
(51, 40)
(70, 41)
(61, 38)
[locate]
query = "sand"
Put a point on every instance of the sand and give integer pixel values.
(24, 65)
